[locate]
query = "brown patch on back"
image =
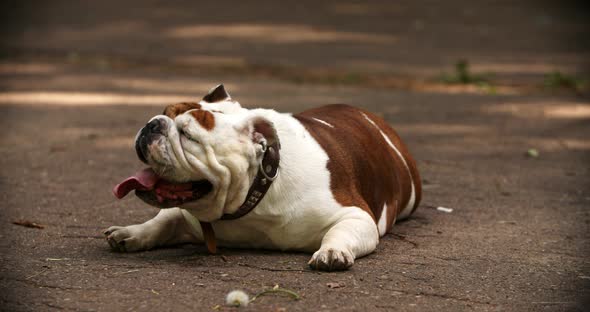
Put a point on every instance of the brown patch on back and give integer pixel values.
(204, 118)
(176, 109)
(365, 171)
(403, 149)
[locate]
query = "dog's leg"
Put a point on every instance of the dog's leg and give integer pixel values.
(169, 227)
(352, 236)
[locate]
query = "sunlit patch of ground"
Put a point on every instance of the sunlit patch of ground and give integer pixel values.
(85, 98)
(562, 109)
(275, 34)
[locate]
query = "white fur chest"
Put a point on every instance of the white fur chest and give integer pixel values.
(299, 207)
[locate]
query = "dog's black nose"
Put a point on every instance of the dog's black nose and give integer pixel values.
(154, 126)
(146, 135)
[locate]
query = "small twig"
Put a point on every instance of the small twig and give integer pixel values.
(506, 222)
(404, 239)
(28, 224)
(275, 290)
(38, 273)
(126, 272)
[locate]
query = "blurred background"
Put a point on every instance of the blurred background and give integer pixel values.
(493, 46)
(492, 97)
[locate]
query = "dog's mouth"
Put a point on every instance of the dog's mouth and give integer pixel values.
(159, 192)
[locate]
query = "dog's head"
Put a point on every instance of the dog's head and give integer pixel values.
(202, 156)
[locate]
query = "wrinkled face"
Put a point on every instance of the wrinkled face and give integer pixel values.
(204, 155)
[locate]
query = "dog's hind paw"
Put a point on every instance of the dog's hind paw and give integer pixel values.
(331, 259)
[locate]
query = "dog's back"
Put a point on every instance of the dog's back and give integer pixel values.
(362, 145)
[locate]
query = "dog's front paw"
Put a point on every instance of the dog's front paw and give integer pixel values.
(331, 259)
(123, 239)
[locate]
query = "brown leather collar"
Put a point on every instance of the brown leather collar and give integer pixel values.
(268, 171)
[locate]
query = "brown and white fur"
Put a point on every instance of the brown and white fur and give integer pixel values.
(345, 178)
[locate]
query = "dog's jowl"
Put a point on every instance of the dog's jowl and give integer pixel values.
(330, 180)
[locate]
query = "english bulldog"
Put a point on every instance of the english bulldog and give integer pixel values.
(331, 180)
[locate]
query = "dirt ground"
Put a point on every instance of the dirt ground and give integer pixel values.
(77, 82)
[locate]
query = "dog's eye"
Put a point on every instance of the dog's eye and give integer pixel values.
(188, 136)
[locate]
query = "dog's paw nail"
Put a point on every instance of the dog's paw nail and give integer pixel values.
(125, 239)
(331, 259)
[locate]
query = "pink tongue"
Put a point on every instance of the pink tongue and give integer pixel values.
(143, 180)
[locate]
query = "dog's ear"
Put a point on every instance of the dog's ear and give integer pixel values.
(216, 94)
(260, 130)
